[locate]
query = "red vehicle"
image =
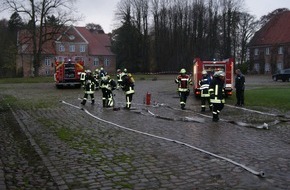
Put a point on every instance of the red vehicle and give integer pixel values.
(68, 73)
(212, 66)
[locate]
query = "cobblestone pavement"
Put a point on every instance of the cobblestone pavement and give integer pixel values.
(46, 144)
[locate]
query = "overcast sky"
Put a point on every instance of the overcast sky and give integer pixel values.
(102, 11)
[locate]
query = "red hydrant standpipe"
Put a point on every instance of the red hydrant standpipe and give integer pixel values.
(148, 98)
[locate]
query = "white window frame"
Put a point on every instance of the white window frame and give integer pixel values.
(279, 66)
(82, 48)
(47, 61)
(280, 50)
(72, 48)
(256, 51)
(267, 51)
(257, 67)
(61, 48)
(96, 61)
(107, 62)
(267, 67)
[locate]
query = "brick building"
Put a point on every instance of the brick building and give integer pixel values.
(75, 43)
(269, 49)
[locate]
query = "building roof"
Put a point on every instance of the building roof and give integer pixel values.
(99, 44)
(276, 31)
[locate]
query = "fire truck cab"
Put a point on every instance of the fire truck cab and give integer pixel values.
(212, 66)
(68, 73)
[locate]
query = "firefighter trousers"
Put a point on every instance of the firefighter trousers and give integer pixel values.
(217, 108)
(86, 97)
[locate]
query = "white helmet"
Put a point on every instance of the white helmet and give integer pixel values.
(88, 71)
(182, 71)
(125, 70)
(204, 72)
(219, 74)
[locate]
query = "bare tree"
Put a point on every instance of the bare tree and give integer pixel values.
(36, 12)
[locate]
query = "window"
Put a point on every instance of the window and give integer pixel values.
(257, 67)
(279, 66)
(47, 61)
(256, 51)
(107, 62)
(82, 48)
(280, 50)
(47, 72)
(61, 48)
(72, 48)
(267, 51)
(267, 67)
(96, 61)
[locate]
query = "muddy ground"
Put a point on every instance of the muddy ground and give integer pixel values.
(49, 142)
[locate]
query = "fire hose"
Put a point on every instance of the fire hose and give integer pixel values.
(257, 173)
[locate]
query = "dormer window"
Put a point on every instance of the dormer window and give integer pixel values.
(71, 37)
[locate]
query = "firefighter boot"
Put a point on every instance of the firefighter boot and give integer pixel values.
(182, 106)
(83, 102)
(202, 109)
(93, 101)
(215, 118)
(104, 103)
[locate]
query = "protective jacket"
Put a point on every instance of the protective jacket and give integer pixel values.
(127, 86)
(216, 90)
(107, 85)
(183, 82)
(127, 83)
(89, 84)
(204, 86)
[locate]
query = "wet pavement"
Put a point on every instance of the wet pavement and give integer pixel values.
(49, 144)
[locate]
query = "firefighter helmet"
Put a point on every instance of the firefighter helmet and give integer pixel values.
(118, 70)
(125, 70)
(88, 71)
(182, 71)
(219, 74)
(204, 72)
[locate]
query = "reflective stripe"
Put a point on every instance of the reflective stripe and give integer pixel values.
(89, 92)
(130, 91)
(182, 89)
(218, 101)
(204, 86)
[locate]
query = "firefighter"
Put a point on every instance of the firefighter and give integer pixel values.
(183, 80)
(119, 78)
(102, 73)
(97, 78)
(127, 86)
(204, 94)
(217, 94)
(107, 85)
(89, 83)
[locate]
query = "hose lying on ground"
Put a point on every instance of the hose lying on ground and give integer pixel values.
(260, 174)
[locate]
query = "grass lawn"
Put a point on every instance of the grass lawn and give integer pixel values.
(270, 97)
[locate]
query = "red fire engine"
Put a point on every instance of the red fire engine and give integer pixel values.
(68, 73)
(211, 66)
